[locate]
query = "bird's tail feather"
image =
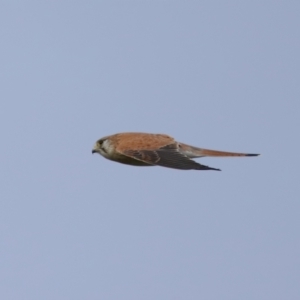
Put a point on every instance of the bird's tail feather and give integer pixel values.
(193, 152)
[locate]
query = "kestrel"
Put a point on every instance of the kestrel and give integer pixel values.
(146, 149)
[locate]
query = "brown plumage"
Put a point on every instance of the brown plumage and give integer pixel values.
(146, 149)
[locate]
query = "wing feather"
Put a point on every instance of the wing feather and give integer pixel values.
(167, 156)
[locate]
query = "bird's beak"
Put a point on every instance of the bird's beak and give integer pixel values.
(94, 151)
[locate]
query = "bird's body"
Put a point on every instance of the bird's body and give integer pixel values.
(146, 149)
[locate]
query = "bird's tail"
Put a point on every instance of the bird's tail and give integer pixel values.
(194, 152)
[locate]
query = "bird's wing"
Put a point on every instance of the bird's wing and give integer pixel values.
(166, 156)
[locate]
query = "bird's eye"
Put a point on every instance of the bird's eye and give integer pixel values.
(100, 142)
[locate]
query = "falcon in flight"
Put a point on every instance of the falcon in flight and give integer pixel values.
(146, 149)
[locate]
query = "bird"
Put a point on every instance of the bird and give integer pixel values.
(148, 149)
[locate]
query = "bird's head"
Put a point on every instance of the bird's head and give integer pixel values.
(103, 147)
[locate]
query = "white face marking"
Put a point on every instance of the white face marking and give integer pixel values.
(106, 149)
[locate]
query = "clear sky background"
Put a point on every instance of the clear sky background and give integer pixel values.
(215, 74)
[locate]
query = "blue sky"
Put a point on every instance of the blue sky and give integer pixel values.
(214, 74)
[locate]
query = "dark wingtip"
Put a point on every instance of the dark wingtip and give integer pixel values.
(213, 169)
(205, 168)
(252, 154)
